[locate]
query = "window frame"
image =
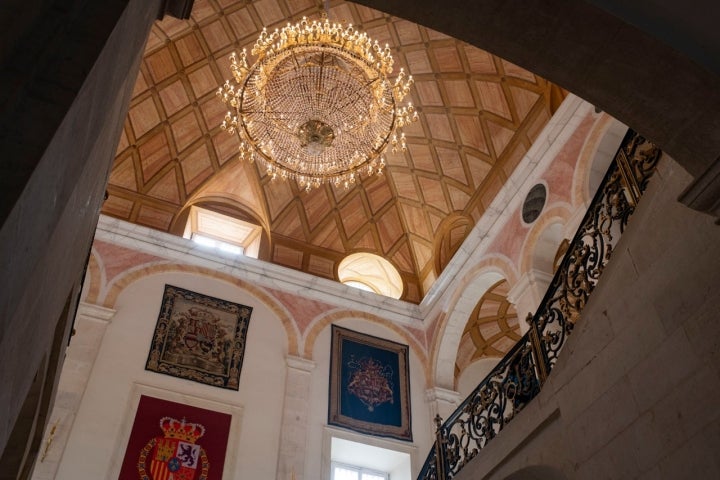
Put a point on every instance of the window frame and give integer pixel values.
(357, 468)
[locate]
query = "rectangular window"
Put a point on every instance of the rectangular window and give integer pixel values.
(350, 472)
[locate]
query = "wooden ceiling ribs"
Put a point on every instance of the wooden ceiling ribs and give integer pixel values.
(478, 115)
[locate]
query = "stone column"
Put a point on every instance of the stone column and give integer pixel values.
(89, 329)
(442, 402)
(527, 294)
(293, 431)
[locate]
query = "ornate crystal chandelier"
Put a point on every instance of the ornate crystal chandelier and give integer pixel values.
(317, 105)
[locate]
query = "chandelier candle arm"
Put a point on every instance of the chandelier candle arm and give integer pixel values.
(317, 106)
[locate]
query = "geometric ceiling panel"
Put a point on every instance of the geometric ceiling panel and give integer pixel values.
(477, 114)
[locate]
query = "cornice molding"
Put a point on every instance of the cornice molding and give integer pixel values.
(96, 312)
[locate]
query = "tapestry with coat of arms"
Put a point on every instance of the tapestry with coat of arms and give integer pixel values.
(369, 385)
(199, 338)
(173, 441)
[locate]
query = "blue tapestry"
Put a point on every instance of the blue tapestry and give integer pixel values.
(369, 385)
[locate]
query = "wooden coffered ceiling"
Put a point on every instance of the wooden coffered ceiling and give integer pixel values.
(492, 329)
(478, 116)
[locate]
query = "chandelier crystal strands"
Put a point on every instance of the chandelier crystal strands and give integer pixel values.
(317, 105)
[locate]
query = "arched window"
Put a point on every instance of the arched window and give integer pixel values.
(222, 232)
(370, 272)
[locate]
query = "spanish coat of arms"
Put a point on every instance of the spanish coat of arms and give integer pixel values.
(176, 455)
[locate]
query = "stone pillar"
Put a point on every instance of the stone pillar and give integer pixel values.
(442, 402)
(90, 326)
(293, 432)
(527, 294)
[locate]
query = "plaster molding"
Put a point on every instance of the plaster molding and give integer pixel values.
(443, 395)
(298, 363)
(255, 271)
(96, 312)
(442, 402)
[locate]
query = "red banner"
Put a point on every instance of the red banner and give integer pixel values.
(172, 441)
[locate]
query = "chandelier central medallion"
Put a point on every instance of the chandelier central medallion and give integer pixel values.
(317, 106)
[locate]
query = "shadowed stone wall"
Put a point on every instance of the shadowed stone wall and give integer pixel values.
(66, 79)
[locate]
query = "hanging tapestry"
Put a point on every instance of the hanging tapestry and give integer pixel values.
(170, 440)
(199, 338)
(369, 385)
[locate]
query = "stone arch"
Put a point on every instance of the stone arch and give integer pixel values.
(453, 230)
(459, 307)
(491, 330)
(537, 259)
(535, 250)
(546, 247)
(126, 279)
(368, 270)
(94, 277)
(233, 185)
(595, 157)
(323, 321)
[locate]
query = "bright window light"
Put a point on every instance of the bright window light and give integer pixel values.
(226, 234)
(351, 460)
(217, 244)
(342, 473)
(204, 241)
(234, 249)
(351, 472)
(372, 273)
(374, 476)
(360, 285)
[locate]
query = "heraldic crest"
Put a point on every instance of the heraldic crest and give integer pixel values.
(200, 338)
(176, 455)
(369, 385)
(370, 381)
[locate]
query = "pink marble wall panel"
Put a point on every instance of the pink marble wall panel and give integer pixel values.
(559, 179)
(559, 176)
(117, 259)
(302, 309)
(510, 240)
(418, 334)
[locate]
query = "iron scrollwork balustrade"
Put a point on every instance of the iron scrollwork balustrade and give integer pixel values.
(519, 376)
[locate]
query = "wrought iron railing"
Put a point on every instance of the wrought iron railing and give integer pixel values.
(519, 376)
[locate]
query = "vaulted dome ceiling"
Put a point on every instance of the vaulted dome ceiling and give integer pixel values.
(478, 116)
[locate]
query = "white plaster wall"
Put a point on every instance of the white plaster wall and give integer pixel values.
(98, 439)
(423, 436)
